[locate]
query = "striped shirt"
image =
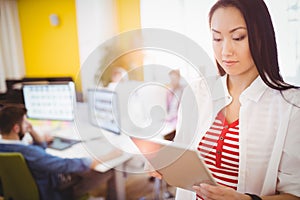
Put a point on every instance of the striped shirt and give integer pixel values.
(220, 150)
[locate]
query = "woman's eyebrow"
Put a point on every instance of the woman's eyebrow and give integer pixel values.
(231, 31)
(213, 30)
(240, 27)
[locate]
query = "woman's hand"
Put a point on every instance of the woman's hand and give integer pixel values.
(211, 192)
(155, 174)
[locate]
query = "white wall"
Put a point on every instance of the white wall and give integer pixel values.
(286, 22)
(187, 17)
(190, 17)
(96, 23)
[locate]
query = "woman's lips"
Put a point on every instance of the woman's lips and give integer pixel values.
(229, 62)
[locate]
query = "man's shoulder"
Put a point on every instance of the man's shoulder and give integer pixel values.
(22, 148)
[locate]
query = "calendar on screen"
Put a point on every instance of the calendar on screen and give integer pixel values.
(50, 101)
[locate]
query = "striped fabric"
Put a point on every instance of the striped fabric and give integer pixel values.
(220, 150)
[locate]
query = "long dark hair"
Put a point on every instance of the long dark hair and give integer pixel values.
(262, 41)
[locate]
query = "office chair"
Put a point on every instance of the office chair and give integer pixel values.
(17, 181)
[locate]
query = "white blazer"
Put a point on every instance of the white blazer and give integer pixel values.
(269, 133)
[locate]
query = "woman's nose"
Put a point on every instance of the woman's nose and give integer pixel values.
(227, 48)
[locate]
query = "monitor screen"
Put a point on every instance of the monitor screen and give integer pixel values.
(50, 101)
(103, 109)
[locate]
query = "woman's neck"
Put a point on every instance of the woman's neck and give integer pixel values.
(237, 84)
(175, 86)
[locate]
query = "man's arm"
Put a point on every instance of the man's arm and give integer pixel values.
(35, 136)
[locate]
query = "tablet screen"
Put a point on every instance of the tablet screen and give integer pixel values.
(62, 143)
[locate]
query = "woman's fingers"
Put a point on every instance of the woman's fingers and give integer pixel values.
(155, 174)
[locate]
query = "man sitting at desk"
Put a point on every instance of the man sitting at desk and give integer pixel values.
(56, 178)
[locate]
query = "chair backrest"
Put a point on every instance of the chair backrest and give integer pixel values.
(16, 178)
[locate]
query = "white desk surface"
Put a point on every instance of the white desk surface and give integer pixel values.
(95, 141)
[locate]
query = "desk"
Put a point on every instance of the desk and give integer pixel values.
(94, 142)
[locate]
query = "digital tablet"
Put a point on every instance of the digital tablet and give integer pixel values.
(59, 143)
(179, 166)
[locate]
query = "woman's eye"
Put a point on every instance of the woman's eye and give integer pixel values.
(216, 39)
(239, 38)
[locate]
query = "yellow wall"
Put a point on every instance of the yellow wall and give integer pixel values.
(129, 14)
(129, 19)
(49, 50)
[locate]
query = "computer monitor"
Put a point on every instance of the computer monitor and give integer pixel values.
(50, 101)
(103, 109)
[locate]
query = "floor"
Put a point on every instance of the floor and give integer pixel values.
(140, 186)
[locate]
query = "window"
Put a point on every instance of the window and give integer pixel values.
(190, 17)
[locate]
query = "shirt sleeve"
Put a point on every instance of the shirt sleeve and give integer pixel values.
(289, 173)
(42, 144)
(38, 159)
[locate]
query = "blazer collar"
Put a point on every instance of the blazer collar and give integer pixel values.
(254, 92)
(219, 88)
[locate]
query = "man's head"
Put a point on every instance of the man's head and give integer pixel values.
(13, 120)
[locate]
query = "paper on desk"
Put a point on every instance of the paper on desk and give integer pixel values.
(113, 163)
(112, 157)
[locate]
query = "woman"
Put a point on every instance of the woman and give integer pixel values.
(249, 136)
(174, 94)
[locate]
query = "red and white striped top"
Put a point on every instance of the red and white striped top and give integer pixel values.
(220, 150)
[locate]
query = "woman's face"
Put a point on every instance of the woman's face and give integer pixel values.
(230, 42)
(175, 79)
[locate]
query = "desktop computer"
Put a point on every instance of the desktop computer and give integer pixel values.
(50, 101)
(103, 109)
(53, 101)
